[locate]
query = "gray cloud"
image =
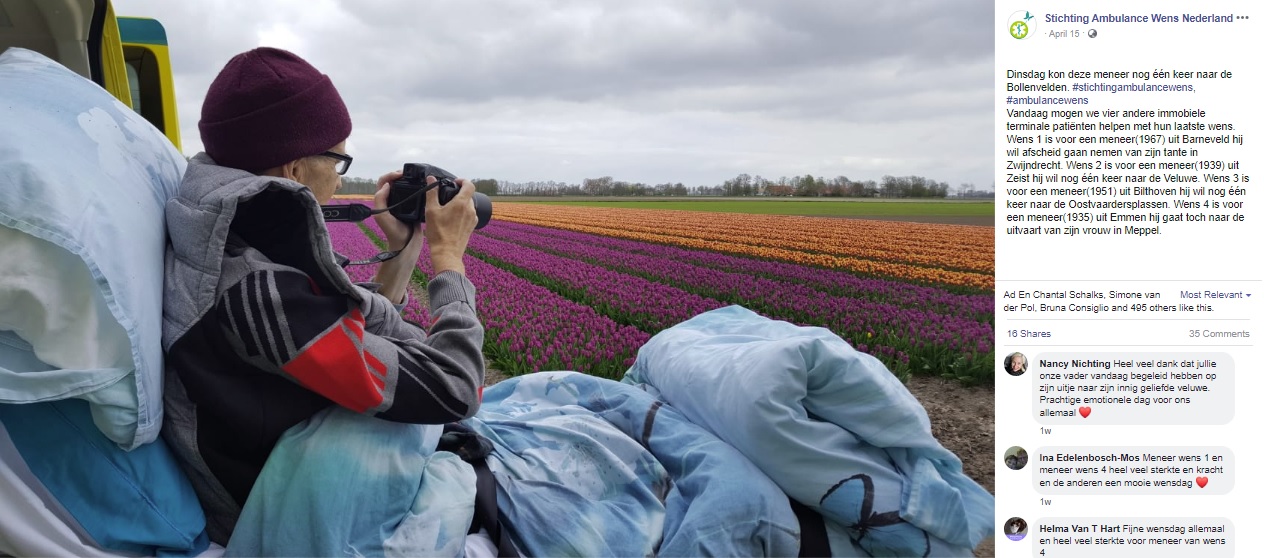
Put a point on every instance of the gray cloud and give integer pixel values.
(695, 91)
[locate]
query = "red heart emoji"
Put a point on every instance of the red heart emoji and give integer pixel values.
(1202, 481)
(1084, 411)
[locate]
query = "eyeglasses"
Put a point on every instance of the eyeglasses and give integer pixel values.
(344, 161)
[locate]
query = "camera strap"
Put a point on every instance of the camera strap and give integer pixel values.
(384, 256)
(356, 212)
(352, 212)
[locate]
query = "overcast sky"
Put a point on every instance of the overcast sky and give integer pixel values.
(692, 91)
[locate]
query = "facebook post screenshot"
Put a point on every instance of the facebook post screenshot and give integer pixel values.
(1128, 277)
(843, 278)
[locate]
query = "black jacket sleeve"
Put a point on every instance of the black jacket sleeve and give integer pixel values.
(363, 356)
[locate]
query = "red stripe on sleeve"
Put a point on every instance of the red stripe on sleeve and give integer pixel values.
(336, 366)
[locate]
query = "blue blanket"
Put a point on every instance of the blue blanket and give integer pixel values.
(592, 467)
(829, 424)
(584, 467)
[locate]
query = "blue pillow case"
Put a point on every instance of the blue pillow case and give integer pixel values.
(135, 502)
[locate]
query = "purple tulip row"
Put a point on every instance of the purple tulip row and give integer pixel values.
(789, 300)
(645, 304)
(926, 334)
(839, 283)
(529, 327)
(553, 299)
(350, 241)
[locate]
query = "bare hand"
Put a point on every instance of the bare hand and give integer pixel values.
(448, 227)
(396, 231)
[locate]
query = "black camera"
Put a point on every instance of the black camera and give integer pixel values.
(407, 199)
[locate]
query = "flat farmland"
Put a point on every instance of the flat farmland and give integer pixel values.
(582, 287)
(958, 212)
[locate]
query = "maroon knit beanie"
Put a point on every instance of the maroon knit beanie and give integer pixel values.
(268, 107)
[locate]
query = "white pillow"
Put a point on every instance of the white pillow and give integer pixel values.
(49, 299)
(83, 172)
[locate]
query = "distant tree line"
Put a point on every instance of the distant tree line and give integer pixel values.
(740, 186)
(352, 185)
(967, 190)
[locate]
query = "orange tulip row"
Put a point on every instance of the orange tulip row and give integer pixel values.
(943, 254)
(950, 247)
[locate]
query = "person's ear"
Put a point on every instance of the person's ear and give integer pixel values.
(293, 170)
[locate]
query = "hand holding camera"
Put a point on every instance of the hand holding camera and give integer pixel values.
(419, 194)
(449, 205)
(397, 232)
(449, 223)
(407, 206)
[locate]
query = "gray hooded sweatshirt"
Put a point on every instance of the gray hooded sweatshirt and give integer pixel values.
(263, 329)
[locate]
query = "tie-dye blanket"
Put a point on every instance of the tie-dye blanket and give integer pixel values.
(592, 467)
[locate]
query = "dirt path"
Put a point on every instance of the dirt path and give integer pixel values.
(962, 419)
(493, 377)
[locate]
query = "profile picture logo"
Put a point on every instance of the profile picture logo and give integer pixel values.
(1016, 363)
(1016, 529)
(1022, 25)
(1016, 458)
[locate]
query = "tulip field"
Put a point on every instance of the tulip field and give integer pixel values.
(582, 288)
